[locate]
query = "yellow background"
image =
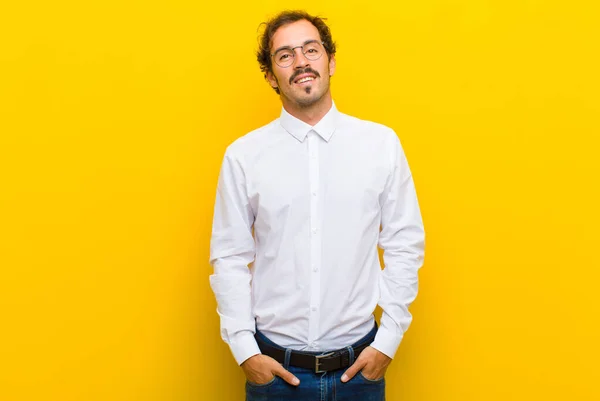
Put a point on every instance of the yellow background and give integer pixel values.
(114, 117)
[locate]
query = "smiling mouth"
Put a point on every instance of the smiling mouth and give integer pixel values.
(305, 79)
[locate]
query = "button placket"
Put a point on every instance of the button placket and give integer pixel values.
(315, 237)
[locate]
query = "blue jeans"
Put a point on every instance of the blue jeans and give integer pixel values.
(313, 386)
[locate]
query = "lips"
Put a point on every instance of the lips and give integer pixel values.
(304, 78)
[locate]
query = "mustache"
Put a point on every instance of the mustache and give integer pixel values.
(307, 70)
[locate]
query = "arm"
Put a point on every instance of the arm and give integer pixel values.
(402, 239)
(232, 248)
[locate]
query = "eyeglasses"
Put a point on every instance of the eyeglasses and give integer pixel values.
(312, 50)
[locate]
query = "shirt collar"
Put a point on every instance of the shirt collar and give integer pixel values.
(299, 129)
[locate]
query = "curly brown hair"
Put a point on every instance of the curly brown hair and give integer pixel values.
(263, 54)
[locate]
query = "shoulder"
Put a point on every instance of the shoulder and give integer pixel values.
(368, 130)
(252, 142)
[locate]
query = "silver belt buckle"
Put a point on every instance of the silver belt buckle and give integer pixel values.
(318, 364)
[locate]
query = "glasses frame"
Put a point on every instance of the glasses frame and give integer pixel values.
(293, 49)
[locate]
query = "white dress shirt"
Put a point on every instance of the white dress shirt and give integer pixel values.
(299, 214)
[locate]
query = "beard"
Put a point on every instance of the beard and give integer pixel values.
(307, 96)
(315, 94)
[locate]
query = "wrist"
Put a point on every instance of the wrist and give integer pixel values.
(250, 360)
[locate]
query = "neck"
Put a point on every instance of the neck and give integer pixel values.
(309, 114)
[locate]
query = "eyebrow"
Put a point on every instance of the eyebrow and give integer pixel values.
(289, 47)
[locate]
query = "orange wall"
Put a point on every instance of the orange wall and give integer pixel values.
(113, 121)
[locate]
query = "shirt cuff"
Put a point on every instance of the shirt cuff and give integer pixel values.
(387, 341)
(243, 346)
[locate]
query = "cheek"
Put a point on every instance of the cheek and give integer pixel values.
(283, 79)
(324, 70)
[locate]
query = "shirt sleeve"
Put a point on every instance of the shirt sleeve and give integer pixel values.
(402, 239)
(232, 248)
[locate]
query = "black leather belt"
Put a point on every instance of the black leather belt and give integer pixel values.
(320, 363)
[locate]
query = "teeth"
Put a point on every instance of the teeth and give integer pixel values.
(305, 79)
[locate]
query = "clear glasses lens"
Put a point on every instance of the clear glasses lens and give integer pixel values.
(312, 51)
(284, 57)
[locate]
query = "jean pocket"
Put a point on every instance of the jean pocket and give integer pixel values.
(267, 384)
(376, 381)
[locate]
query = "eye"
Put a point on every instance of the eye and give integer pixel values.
(284, 55)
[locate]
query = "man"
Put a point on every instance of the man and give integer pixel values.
(301, 205)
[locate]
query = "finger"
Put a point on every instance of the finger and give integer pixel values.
(353, 370)
(286, 375)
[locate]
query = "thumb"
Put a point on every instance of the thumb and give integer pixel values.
(352, 370)
(286, 375)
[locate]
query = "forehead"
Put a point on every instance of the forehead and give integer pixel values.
(294, 34)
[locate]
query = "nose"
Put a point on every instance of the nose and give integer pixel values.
(300, 60)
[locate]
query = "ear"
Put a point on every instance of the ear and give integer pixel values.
(331, 65)
(270, 77)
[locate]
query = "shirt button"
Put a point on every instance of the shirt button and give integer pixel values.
(314, 194)
(314, 230)
(314, 309)
(315, 269)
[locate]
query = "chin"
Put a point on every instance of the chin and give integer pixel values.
(303, 99)
(307, 101)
